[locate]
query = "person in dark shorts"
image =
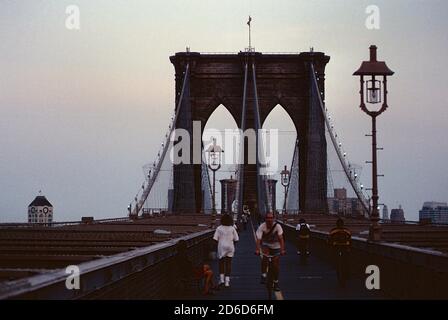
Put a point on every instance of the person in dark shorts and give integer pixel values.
(303, 237)
(269, 239)
(340, 239)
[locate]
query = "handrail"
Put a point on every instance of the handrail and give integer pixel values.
(360, 243)
(138, 259)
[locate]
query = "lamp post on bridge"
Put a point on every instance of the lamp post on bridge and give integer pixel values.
(214, 163)
(284, 177)
(370, 92)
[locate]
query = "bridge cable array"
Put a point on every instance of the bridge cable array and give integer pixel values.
(151, 196)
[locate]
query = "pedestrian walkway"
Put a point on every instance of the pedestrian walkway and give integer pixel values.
(316, 280)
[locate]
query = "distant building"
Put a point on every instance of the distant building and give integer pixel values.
(434, 212)
(40, 211)
(342, 205)
(397, 215)
(385, 213)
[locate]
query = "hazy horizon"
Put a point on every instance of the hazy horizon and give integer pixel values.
(84, 110)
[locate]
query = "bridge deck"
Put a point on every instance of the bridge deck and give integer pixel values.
(316, 280)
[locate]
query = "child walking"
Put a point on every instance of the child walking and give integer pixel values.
(225, 235)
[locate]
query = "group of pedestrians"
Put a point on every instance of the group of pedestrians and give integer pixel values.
(269, 240)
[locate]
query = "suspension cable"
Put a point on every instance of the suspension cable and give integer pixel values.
(139, 205)
(354, 185)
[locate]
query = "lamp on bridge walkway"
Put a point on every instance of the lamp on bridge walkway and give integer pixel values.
(214, 163)
(284, 175)
(373, 91)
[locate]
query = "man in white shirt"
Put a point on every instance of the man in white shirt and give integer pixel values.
(270, 240)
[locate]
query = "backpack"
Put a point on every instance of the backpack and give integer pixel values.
(340, 237)
(267, 236)
(304, 231)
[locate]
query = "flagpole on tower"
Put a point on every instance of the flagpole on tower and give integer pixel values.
(248, 23)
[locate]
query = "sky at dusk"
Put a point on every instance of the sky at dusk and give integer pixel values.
(83, 110)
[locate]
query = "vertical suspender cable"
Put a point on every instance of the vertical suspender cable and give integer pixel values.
(262, 192)
(242, 159)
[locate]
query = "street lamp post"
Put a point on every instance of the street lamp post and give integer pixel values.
(214, 164)
(284, 177)
(370, 92)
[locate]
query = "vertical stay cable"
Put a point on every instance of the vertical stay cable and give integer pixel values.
(240, 185)
(206, 184)
(261, 185)
(292, 191)
(330, 183)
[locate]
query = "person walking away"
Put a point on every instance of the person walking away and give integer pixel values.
(340, 239)
(226, 236)
(303, 237)
(244, 218)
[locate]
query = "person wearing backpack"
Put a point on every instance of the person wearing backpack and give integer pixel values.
(269, 239)
(303, 237)
(340, 239)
